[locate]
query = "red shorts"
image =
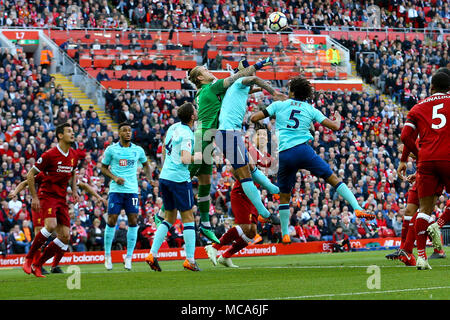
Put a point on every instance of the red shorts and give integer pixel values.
(243, 209)
(55, 208)
(36, 218)
(413, 195)
(431, 176)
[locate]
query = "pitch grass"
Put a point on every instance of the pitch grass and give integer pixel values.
(338, 276)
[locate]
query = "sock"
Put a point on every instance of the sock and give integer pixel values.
(37, 256)
(54, 248)
(405, 228)
(159, 237)
(242, 234)
(284, 218)
(422, 222)
(254, 196)
(260, 178)
(38, 241)
(345, 192)
(161, 213)
(235, 247)
(57, 258)
(227, 238)
(109, 237)
(408, 246)
(444, 218)
(189, 240)
(204, 201)
(131, 240)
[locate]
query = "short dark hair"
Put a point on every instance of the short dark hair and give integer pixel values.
(301, 88)
(124, 124)
(444, 70)
(185, 112)
(440, 82)
(60, 129)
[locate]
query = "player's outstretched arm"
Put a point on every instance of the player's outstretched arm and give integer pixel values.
(254, 80)
(247, 72)
(21, 186)
(255, 117)
(147, 170)
(333, 124)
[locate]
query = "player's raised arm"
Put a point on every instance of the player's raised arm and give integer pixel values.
(254, 80)
(248, 71)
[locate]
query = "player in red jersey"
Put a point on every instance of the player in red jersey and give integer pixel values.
(38, 222)
(428, 120)
(245, 220)
(58, 165)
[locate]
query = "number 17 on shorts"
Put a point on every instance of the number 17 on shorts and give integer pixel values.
(126, 201)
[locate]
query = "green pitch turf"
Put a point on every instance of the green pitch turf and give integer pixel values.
(338, 276)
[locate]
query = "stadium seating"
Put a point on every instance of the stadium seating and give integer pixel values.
(364, 153)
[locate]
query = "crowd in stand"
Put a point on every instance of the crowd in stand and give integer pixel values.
(222, 15)
(400, 69)
(364, 153)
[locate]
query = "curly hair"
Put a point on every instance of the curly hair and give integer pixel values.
(301, 88)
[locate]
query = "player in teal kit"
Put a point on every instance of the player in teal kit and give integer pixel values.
(176, 187)
(120, 163)
(229, 140)
(293, 121)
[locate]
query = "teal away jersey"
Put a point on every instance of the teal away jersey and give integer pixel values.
(234, 106)
(179, 138)
(124, 163)
(293, 120)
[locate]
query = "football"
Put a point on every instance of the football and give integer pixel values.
(277, 21)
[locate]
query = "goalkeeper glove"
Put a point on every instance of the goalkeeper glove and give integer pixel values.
(266, 62)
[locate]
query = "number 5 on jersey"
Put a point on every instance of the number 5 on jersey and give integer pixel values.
(437, 115)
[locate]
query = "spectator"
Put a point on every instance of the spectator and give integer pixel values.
(77, 242)
(120, 237)
(325, 234)
(18, 241)
(3, 250)
(312, 233)
(340, 239)
(349, 228)
(102, 76)
(96, 236)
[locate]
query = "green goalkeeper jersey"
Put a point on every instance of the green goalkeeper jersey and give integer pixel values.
(209, 100)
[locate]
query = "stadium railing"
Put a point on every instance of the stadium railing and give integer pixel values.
(445, 231)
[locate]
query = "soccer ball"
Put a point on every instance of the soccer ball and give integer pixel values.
(276, 21)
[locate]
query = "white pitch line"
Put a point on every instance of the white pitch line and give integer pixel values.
(354, 293)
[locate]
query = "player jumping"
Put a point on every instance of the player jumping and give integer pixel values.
(293, 120)
(120, 164)
(230, 141)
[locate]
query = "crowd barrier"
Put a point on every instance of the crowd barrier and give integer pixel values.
(97, 257)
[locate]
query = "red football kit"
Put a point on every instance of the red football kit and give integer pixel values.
(243, 209)
(428, 119)
(57, 168)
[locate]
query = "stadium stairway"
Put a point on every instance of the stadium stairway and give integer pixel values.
(82, 98)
